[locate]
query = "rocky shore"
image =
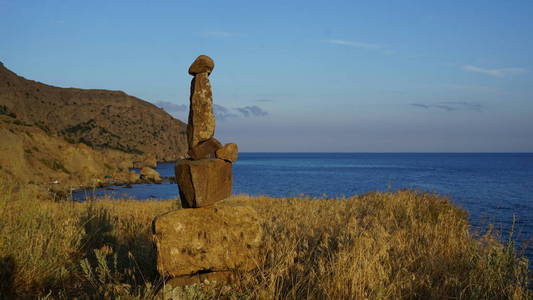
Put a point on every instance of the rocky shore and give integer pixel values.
(59, 139)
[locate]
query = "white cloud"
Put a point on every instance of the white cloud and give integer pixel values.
(502, 72)
(224, 113)
(451, 106)
(355, 44)
(221, 112)
(252, 111)
(170, 107)
(361, 45)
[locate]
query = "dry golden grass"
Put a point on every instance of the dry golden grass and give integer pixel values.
(403, 245)
(379, 246)
(94, 249)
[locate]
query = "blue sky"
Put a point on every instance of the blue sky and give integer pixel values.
(347, 76)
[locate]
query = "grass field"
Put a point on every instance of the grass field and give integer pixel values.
(401, 245)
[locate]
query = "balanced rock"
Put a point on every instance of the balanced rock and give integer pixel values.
(150, 175)
(207, 239)
(203, 182)
(202, 64)
(201, 124)
(205, 149)
(229, 152)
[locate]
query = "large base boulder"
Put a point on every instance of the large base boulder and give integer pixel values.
(208, 239)
(203, 182)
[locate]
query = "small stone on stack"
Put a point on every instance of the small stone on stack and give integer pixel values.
(202, 64)
(229, 152)
(205, 149)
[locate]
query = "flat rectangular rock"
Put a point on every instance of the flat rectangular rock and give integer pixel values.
(203, 182)
(208, 239)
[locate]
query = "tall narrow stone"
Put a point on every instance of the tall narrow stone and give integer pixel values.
(201, 125)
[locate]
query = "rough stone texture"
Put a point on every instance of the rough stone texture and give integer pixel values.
(202, 64)
(133, 177)
(205, 149)
(203, 182)
(201, 124)
(215, 238)
(229, 152)
(177, 288)
(150, 175)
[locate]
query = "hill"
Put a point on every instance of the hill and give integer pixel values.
(30, 156)
(101, 119)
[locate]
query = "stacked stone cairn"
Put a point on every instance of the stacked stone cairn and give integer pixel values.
(205, 240)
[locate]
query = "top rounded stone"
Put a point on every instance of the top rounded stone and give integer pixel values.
(202, 64)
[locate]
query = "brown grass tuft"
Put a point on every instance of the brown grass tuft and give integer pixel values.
(376, 246)
(379, 246)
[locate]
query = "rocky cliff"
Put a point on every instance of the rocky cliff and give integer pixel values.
(29, 155)
(101, 119)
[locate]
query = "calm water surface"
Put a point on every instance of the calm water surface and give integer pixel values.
(492, 187)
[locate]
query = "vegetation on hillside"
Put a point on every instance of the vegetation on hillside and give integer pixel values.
(29, 155)
(375, 246)
(100, 119)
(67, 138)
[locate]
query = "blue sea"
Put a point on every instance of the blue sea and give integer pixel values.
(495, 188)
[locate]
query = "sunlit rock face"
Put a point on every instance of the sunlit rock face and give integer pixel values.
(205, 239)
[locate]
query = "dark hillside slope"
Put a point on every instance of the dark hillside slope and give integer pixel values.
(101, 119)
